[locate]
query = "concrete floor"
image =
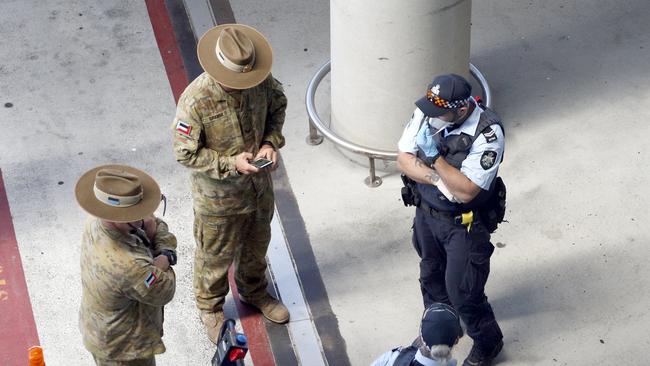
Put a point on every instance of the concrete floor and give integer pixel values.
(88, 87)
(568, 280)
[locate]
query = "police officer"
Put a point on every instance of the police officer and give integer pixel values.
(229, 116)
(439, 331)
(126, 277)
(452, 148)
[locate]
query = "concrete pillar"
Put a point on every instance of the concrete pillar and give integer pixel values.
(384, 54)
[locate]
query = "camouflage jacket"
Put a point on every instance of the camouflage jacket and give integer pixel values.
(211, 127)
(123, 294)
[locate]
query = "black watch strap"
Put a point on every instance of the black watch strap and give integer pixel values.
(171, 256)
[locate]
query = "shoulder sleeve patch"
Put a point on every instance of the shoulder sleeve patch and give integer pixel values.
(183, 128)
(150, 280)
(489, 134)
(488, 159)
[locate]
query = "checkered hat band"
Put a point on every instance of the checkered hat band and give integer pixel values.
(439, 102)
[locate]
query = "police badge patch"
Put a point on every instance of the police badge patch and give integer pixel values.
(488, 159)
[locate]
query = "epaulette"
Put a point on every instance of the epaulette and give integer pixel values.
(489, 134)
(487, 119)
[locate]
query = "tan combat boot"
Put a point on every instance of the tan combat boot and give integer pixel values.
(212, 321)
(271, 308)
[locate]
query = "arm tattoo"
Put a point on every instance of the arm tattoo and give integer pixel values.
(433, 177)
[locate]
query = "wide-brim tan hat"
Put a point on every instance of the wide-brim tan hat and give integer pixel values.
(105, 204)
(224, 70)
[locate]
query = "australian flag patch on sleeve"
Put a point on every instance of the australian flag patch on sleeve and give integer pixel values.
(183, 128)
(150, 280)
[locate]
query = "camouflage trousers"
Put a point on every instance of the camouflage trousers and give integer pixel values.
(141, 362)
(222, 240)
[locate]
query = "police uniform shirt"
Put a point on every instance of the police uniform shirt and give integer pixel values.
(386, 359)
(408, 144)
(482, 162)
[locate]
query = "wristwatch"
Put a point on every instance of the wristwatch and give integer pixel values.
(171, 256)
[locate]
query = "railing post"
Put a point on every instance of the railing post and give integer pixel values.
(373, 180)
(314, 138)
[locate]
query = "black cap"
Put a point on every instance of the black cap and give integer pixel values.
(444, 94)
(440, 325)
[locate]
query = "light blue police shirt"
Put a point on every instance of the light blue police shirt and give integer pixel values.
(471, 166)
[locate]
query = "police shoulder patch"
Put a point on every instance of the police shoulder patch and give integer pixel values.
(489, 134)
(488, 159)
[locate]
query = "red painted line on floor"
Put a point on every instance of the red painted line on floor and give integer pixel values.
(254, 328)
(163, 30)
(251, 320)
(17, 326)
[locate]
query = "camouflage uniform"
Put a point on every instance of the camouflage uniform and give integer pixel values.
(142, 362)
(121, 315)
(233, 212)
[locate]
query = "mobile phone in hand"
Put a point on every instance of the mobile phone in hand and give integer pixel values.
(261, 163)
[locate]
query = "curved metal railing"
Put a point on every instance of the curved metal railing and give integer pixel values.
(316, 125)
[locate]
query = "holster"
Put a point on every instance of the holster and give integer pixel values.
(410, 194)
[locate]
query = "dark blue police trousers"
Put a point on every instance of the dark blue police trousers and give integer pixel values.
(454, 268)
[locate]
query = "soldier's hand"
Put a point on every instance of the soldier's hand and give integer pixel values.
(161, 262)
(242, 163)
(268, 152)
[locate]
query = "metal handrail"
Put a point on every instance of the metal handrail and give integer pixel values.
(316, 124)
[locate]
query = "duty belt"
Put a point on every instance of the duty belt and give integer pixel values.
(463, 218)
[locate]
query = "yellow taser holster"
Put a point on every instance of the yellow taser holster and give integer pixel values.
(467, 218)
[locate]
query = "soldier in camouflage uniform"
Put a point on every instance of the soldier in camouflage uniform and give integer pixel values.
(126, 276)
(228, 116)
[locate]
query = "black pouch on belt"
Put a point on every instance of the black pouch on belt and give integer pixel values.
(410, 194)
(493, 211)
